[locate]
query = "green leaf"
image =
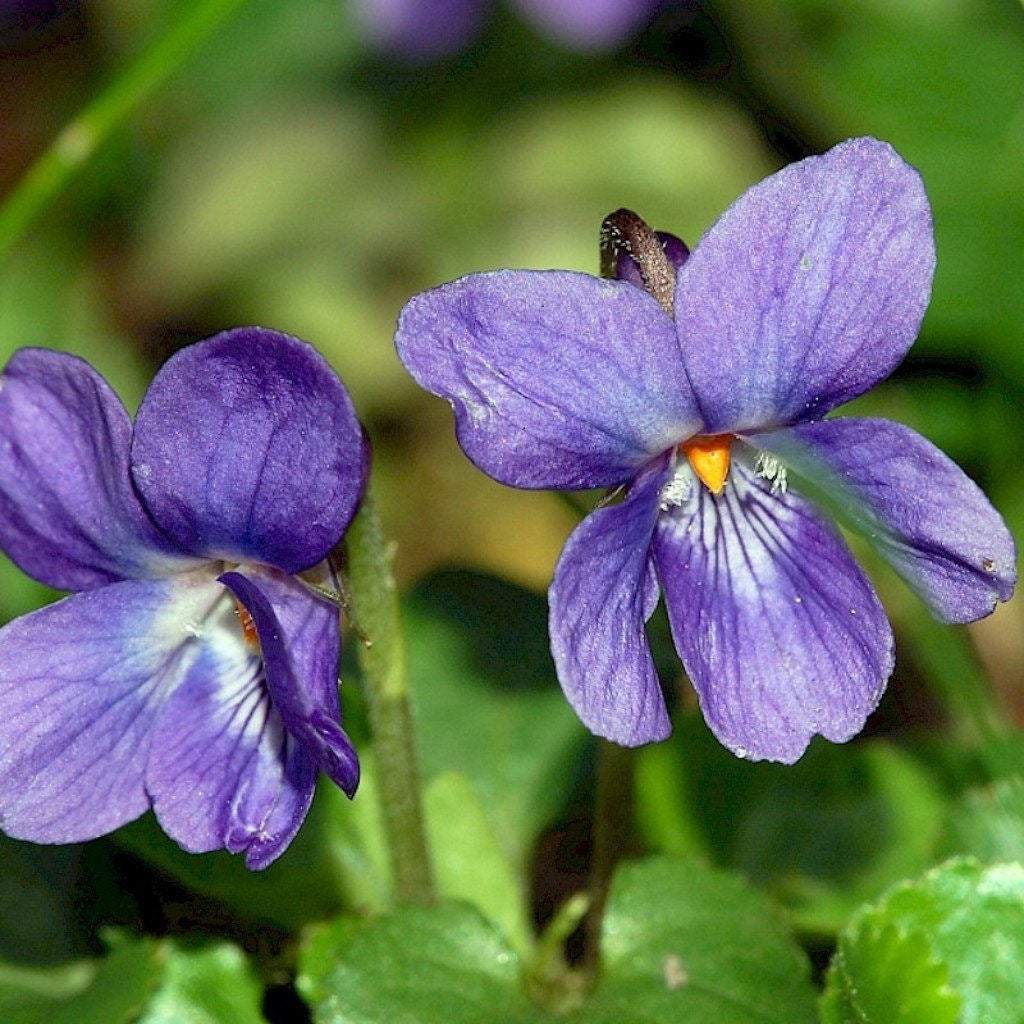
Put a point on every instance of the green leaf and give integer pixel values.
(211, 984)
(952, 938)
(469, 861)
(683, 945)
(686, 943)
(140, 980)
(109, 991)
(478, 653)
(888, 974)
(988, 822)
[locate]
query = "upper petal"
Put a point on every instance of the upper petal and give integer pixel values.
(299, 641)
(69, 515)
(247, 447)
(809, 290)
(557, 379)
(601, 596)
(928, 518)
(779, 630)
(594, 25)
(81, 684)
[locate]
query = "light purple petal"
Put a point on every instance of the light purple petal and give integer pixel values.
(558, 379)
(779, 630)
(589, 24)
(247, 447)
(601, 597)
(68, 513)
(928, 518)
(809, 290)
(421, 29)
(81, 684)
(299, 638)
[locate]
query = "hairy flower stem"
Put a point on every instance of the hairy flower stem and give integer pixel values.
(611, 832)
(80, 139)
(373, 602)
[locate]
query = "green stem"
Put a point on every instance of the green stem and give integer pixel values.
(612, 832)
(373, 600)
(82, 137)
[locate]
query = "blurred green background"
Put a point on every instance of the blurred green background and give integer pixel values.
(296, 177)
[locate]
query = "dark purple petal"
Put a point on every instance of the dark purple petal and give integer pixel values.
(601, 597)
(589, 24)
(927, 517)
(627, 269)
(81, 684)
(421, 29)
(779, 630)
(809, 290)
(247, 447)
(557, 379)
(68, 513)
(299, 638)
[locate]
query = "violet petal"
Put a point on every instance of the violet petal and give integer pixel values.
(299, 637)
(809, 290)
(558, 379)
(927, 517)
(599, 601)
(69, 515)
(779, 630)
(82, 682)
(247, 447)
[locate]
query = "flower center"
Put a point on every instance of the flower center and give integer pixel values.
(252, 638)
(709, 457)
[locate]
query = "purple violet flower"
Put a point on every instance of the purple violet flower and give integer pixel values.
(194, 669)
(807, 292)
(427, 29)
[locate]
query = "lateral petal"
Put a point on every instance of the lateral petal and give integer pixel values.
(926, 516)
(601, 597)
(69, 515)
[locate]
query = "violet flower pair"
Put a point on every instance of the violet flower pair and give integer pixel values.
(194, 667)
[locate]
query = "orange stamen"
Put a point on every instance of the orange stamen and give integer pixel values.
(252, 638)
(709, 457)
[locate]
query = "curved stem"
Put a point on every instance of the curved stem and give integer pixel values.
(611, 834)
(626, 231)
(81, 138)
(372, 598)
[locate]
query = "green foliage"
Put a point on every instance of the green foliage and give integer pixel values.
(139, 980)
(947, 947)
(823, 835)
(210, 984)
(486, 702)
(681, 944)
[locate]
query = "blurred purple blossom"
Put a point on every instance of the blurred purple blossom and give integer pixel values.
(427, 29)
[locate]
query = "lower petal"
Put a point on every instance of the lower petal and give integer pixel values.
(223, 772)
(779, 630)
(601, 597)
(928, 518)
(81, 684)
